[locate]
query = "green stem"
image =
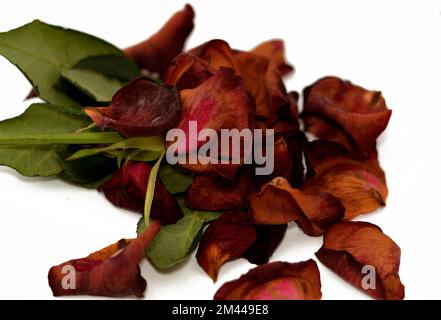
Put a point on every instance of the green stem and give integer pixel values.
(60, 138)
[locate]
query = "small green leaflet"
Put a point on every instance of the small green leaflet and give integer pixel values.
(41, 51)
(95, 85)
(38, 119)
(100, 77)
(175, 180)
(88, 172)
(176, 241)
(151, 189)
(153, 145)
(111, 66)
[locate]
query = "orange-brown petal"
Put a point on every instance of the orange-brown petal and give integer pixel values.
(363, 255)
(279, 203)
(156, 53)
(227, 238)
(362, 114)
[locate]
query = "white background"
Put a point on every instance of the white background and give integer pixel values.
(392, 46)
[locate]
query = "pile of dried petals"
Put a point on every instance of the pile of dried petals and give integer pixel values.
(320, 185)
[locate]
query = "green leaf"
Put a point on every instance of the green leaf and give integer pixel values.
(41, 51)
(151, 189)
(88, 172)
(175, 242)
(153, 145)
(93, 84)
(9, 139)
(38, 160)
(174, 179)
(117, 67)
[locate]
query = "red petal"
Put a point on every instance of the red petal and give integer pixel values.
(127, 189)
(156, 53)
(227, 238)
(275, 281)
(142, 108)
(198, 64)
(103, 273)
(278, 203)
(357, 181)
(187, 72)
(349, 246)
(362, 114)
(221, 102)
(268, 238)
(208, 192)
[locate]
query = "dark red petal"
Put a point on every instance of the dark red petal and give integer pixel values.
(279, 203)
(127, 189)
(350, 246)
(268, 238)
(187, 72)
(156, 53)
(103, 273)
(221, 102)
(275, 281)
(198, 64)
(142, 108)
(209, 192)
(227, 238)
(287, 121)
(357, 181)
(362, 114)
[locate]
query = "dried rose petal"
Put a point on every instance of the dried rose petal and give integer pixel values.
(209, 192)
(275, 281)
(357, 181)
(268, 238)
(350, 246)
(216, 53)
(279, 203)
(221, 102)
(142, 108)
(263, 80)
(227, 238)
(361, 114)
(112, 271)
(275, 50)
(156, 53)
(287, 121)
(198, 64)
(187, 72)
(127, 189)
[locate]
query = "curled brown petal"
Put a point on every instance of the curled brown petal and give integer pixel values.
(227, 238)
(113, 271)
(279, 203)
(356, 180)
(156, 53)
(275, 50)
(275, 281)
(210, 192)
(361, 114)
(363, 255)
(142, 108)
(263, 80)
